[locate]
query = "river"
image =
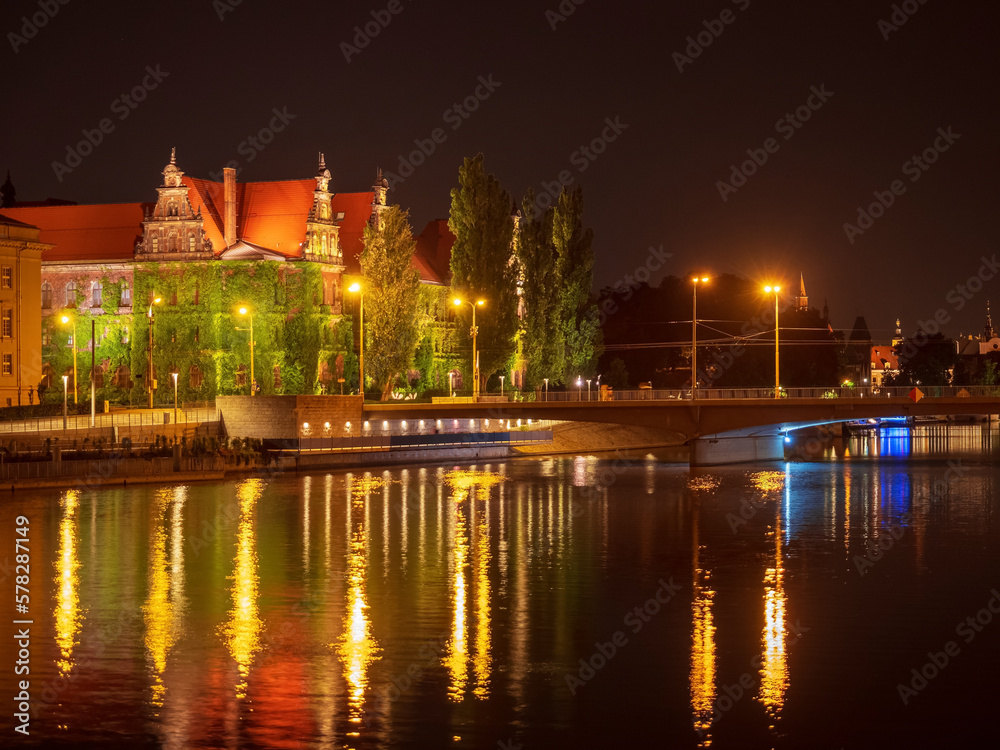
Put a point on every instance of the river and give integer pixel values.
(849, 599)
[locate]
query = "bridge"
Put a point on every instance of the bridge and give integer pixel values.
(723, 426)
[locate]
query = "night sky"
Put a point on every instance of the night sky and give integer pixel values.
(551, 91)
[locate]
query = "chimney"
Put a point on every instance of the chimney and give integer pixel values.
(229, 197)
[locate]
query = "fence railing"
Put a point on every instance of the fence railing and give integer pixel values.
(124, 419)
(665, 394)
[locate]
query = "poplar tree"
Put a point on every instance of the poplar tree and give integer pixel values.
(543, 340)
(482, 263)
(579, 320)
(391, 294)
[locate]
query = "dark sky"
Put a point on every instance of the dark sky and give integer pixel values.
(654, 184)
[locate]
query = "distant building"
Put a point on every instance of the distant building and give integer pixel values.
(858, 352)
(802, 301)
(20, 311)
(883, 364)
(986, 342)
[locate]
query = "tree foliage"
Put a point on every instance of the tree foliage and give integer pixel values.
(482, 264)
(543, 342)
(390, 297)
(581, 332)
(925, 360)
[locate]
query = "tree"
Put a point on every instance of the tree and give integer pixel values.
(390, 297)
(925, 360)
(617, 375)
(482, 262)
(581, 331)
(543, 342)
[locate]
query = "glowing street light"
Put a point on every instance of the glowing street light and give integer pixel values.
(777, 377)
(579, 388)
(93, 345)
(589, 380)
(501, 385)
(151, 384)
(66, 319)
(253, 380)
(475, 331)
(694, 334)
(175, 399)
(546, 388)
(357, 289)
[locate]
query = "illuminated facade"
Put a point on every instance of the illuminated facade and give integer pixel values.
(20, 319)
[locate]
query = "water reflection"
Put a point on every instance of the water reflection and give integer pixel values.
(702, 675)
(163, 611)
(242, 631)
(774, 666)
(67, 613)
(357, 648)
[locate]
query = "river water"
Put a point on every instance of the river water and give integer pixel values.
(591, 602)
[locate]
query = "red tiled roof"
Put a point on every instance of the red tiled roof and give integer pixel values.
(880, 353)
(15, 222)
(208, 196)
(86, 233)
(432, 256)
(357, 208)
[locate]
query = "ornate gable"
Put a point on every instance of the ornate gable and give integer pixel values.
(173, 231)
(322, 243)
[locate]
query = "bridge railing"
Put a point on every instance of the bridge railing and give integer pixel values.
(664, 394)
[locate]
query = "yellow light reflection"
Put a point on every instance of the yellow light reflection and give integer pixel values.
(67, 614)
(702, 675)
(162, 611)
(463, 481)
(483, 660)
(357, 648)
(774, 664)
(768, 481)
(242, 631)
(456, 659)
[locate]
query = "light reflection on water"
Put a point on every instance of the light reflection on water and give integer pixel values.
(413, 606)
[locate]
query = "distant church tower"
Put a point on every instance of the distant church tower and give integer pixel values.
(381, 189)
(802, 301)
(988, 332)
(322, 242)
(8, 195)
(173, 231)
(897, 336)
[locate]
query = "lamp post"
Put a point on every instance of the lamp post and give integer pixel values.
(65, 401)
(777, 363)
(546, 388)
(475, 354)
(579, 388)
(451, 387)
(694, 334)
(66, 319)
(356, 288)
(501, 385)
(151, 383)
(175, 399)
(253, 380)
(588, 388)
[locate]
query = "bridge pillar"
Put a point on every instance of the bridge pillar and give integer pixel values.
(717, 451)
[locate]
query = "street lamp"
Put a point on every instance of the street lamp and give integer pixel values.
(579, 388)
(451, 387)
(253, 380)
(65, 401)
(475, 332)
(777, 363)
(588, 388)
(65, 320)
(694, 334)
(501, 385)
(546, 388)
(153, 300)
(175, 399)
(357, 289)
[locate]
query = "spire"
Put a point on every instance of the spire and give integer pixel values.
(173, 156)
(802, 301)
(988, 332)
(322, 162)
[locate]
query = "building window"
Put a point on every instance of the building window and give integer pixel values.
(197, 334)
(8, 364)
(47, 375)
(99, 376)
(96, 292)
(46, 337)
(126, 295)
(8, 323)
(241, 375)
(123, 378)
(71, 294)
(173, 298)
(6, 277)
(156, 244)
(277, 377)
(125, 334)
(197, 293)
(46, 296)
(196, 376)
